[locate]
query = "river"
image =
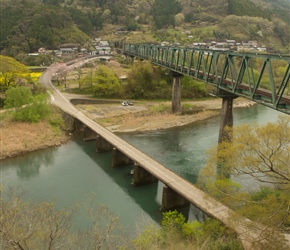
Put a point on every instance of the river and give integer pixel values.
(67, 174)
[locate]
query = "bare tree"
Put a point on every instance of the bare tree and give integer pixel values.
(28, 225)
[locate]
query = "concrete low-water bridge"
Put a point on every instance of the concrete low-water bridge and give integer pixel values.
(176, 191)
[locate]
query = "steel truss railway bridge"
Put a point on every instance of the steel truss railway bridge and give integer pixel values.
(262, 78)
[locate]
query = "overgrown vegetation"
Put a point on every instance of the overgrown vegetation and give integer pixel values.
(260, 153)
(176, 233)
(26, 224)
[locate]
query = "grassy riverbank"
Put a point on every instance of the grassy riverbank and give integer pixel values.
(18, 138)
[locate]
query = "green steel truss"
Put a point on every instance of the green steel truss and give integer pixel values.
(263, 78)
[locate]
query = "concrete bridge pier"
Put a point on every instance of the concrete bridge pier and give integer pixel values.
(102, 145)
(141, 176)
(132, 59)
(226, 118)
(68, 121)
(176, 93)
(89, 134)
(78, 125)
(120, 159)
(171, 199)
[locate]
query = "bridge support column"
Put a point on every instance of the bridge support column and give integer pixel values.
(68, 121)
(89, 134)
(132, 59)
(226, 119)
(102, 145)
(171, 199)
(141, 176)
(176, 93)
(119, 159)
(78, 125)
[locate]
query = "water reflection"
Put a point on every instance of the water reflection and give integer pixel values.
(28, 166)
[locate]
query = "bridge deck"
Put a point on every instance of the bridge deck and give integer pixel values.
(247, 231)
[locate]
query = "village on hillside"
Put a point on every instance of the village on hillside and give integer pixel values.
(227, 45)
(103, 47)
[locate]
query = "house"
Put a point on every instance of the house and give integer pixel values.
(42, 51)
(165, 43)
(102, 50)
(199, 45)
(222, 45)
(95, 52)
(253, 43)
(57, 53)
(104, 44)
(66, 50)
(231, 42)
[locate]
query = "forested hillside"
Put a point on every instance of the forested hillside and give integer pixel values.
(31, 24)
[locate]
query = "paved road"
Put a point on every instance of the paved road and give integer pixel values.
(247, 231)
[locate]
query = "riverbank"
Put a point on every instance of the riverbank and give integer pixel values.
(20, 138)
(148, 116)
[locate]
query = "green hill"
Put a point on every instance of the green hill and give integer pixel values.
(30, 24)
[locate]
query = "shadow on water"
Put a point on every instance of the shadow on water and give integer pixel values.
(144, 196)
(148, 196)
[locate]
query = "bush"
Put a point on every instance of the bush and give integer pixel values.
(28, 108)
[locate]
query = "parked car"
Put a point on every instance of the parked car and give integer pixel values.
(126, 103)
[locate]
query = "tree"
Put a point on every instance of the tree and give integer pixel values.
(25, 224)
(28, 108)
(176, 233)
(191, 88)
(10, 70)
(147, 81)
(61, 73)
(16, 97)
(263, 154)
(163, 12)
(28, 225)
(106, 83)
